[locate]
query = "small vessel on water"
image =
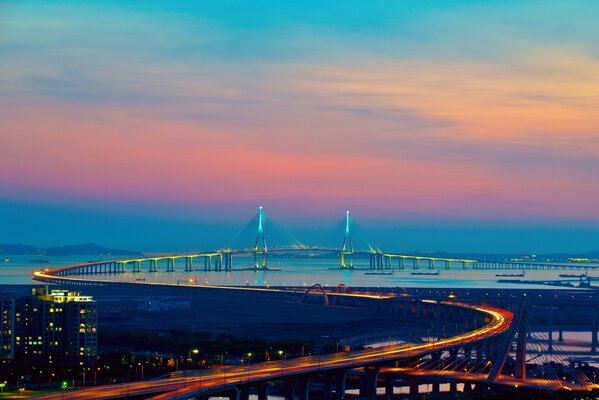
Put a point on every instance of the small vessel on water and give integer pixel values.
(6, 260)
(585, 275)
(41, 259)
(424, 273)
(378, 273)
(520, 275)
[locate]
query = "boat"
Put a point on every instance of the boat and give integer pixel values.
(378, 273)
(573, 275)
(7, 260)
(424, 273)
(520, 275)
(40, 260)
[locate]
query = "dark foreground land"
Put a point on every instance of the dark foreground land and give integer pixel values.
(235, 312)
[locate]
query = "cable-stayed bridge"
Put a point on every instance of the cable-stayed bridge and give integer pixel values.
(263, 236)
(476, 357)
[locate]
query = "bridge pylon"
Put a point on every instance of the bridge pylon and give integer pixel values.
(260, 248)
(347, 249)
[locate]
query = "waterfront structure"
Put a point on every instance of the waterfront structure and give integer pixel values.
(159, 304)
(7, 328)
(56, 325)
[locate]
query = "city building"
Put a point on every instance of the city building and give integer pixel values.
(158, 304)
(56, 325)
(7, 328)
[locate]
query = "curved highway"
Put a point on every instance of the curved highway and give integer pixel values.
(221, 380)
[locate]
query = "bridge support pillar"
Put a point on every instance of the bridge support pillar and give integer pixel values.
(228, 261)
(379, 261)
(594, 331)
(340, 385)
(435, 387)
(327, 388)
(560, 337)
(389, 384)
(436, 359)
(289, 386)
(405, 306)
(170, 266)
(413, 388)
(550, 333)
(453, 387)
(233, 394)
(520, 368)
(302, 389)
(453, 358)
(369, 381)
(467, 353)
(153, 265)
(188, 264)
(263, 390)
(242, 392)
(479, 353)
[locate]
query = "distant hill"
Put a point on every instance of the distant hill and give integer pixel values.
(591, 254)
(19, 249)
(78, 249)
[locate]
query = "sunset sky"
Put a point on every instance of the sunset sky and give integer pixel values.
(443, 125)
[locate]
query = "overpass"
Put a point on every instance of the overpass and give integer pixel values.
(236, 382)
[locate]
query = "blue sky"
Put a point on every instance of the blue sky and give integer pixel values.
(455, 126)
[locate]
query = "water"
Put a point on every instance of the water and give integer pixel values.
(286, 271)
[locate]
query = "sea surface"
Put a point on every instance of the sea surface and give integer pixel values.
(290, 271)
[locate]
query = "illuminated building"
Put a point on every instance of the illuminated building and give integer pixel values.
(56, 325)
(7, 328)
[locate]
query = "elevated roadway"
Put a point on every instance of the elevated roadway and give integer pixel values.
(225, 380)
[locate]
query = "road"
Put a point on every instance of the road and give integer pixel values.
(213, 381)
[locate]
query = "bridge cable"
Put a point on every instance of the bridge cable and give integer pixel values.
(558, 353)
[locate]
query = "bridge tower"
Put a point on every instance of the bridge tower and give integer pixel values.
(260, 249)
(347, 249)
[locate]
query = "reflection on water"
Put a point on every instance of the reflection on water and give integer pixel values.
(285, 271)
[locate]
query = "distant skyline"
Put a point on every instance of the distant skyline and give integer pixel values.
(455, 126)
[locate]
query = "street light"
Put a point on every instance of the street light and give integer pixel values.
(142, 370)
(2, 386)
(280, 353)
(248, 366)
(64, 387)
